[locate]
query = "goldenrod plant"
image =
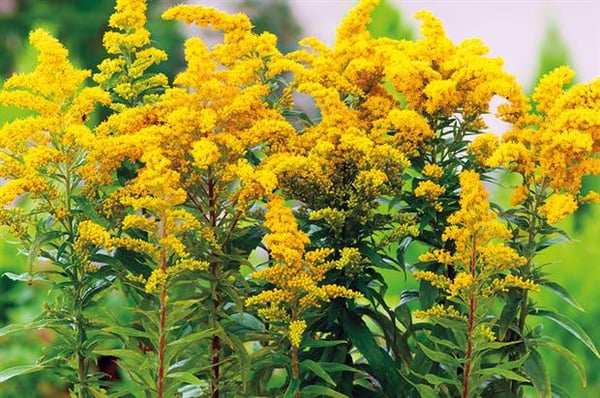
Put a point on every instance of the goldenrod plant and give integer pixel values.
(249, 235)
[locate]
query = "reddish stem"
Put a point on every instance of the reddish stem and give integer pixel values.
(467, 373)
(214, 267)
(295, 369)
(163, 318)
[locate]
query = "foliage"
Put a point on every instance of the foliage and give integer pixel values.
(249, 239)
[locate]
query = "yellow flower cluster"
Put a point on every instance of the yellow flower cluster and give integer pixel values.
(475, 232)
(440, 311)
(159, 277)
(91, 233)
(515, 282)
(296, 330)
(431, 191)
(437, 280)
(556, 147)
(438, 78)
(433, 171)
(296, 274)
(129, 43)
(36, 149)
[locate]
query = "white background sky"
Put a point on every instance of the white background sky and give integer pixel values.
(511, 29)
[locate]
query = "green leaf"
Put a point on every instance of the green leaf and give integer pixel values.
(322, 343)
(560, 392)
(496, 371)
(292, 389)
(320, 391)
(97, 287)
(403, 314)
(126, 331)
(569, 325)
(437, 380)
(25, 277)
(36, 246)
(89, 211)
(562, 293)
(193, 338)
(383, 366)
(425, 391)
(332, 367)
(19, 371)
(186, 377)
(438, 356)
(10, 329)
(508, 314)
(309, 364)
(135, 356)
(568, 355)
(535, 368)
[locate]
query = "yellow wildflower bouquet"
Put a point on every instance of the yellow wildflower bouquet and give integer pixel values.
(248, 238)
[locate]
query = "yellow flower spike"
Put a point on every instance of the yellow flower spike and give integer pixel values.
(461, 283)
(519, 195)
(274, 314)
(354, 25)
(156, 280)
(296, 331)
(285, 241)
(440, 311)
(410, 129)
(513, 281)
(483, 146)
(271, 297)
(430, 190)
(433, 171)
(54, 77)
(91, 233)
(590, 197)
(205, 16)
(558, 206)
(129, 17)
(128, 42)
(550, 88)
(486, 332)
(187, 264)
(442, 97)
(436, 280)
(205, 153)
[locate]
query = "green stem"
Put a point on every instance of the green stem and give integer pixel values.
(161, 342)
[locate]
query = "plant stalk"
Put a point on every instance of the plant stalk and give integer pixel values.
(214, 268)
(295, 369)
(471, 323)
(163, 319)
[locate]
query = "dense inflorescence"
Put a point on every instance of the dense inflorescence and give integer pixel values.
(249, 231)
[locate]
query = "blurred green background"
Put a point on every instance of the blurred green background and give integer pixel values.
(80, 25)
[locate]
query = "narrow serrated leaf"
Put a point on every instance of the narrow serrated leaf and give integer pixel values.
(495, 371)
(314, 367)
(186, 377)
(562, 293)
(569, 325)
(438, 356)
(568, 355)
(15, 371)
(535, 368)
